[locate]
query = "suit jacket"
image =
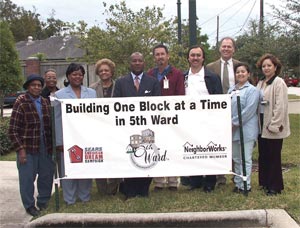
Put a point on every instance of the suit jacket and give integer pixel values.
(99, 89)
(215, 67)
(124, 87)
(212, 81)
(67, 93)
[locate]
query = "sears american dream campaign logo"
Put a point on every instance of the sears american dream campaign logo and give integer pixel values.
(88, 154)
(209, 151)
(143, 152)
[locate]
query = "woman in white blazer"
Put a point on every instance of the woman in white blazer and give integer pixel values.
(273, 122)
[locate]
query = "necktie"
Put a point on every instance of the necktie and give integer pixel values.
(225, 83)
(136, 83)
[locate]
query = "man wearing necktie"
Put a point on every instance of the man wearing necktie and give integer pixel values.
(223, 67)
(136, 84)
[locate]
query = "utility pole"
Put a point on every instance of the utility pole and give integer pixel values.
(192, 22)
(217, 39)
(261, 18)
(179, 21)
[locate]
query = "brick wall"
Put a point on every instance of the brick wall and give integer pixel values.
(32, 66)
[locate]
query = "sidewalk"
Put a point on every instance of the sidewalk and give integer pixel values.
(276, 218)
(294, 90)
(13, 214)
(294, 104)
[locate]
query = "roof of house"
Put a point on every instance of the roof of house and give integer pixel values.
(54, 48)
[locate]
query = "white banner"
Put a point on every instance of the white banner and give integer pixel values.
(147, 136)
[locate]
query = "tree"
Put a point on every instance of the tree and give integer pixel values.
(280, 38)
(128, 31)
(10, 68)
(24, 23)
(288, 15)
(252, 45)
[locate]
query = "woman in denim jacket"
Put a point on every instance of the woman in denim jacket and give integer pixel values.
(249, 97)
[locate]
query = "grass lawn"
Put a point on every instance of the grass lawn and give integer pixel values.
(222, 199)
(293, 96)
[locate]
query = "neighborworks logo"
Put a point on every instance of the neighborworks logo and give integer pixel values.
(210, 147)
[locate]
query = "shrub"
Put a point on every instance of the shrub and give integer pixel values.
(5, 144)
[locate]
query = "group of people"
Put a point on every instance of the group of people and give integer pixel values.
(263, 110)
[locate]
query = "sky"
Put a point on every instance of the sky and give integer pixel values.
(233, 14)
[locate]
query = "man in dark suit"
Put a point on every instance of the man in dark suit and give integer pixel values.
(200, 81)
(226, 49)
(136, 84)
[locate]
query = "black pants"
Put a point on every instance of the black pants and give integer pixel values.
(203, 181)
(132, 187)
(269, 163)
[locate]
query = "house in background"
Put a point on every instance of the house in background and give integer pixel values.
(58, 52)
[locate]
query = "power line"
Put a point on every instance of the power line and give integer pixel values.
(240, 27)
(231, 16)
(246, 19)
(213, 17)
(237, 11)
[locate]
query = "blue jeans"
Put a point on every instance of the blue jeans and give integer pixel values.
(40, 164)
(238, 165)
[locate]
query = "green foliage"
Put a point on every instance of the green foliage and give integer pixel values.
(128, 31)
(24, 23)
(252, 45)
(279, 37)
(288, 18)
(288, 14)
(40, 56)
(5, 144)
(10, 68)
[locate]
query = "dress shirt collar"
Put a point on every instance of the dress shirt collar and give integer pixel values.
(199, 73)
(140, 76)
(229, 61)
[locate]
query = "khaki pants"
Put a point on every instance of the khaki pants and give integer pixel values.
(165, 181)
(108, 186)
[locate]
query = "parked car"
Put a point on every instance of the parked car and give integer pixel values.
(292, 81)
(10, 99)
